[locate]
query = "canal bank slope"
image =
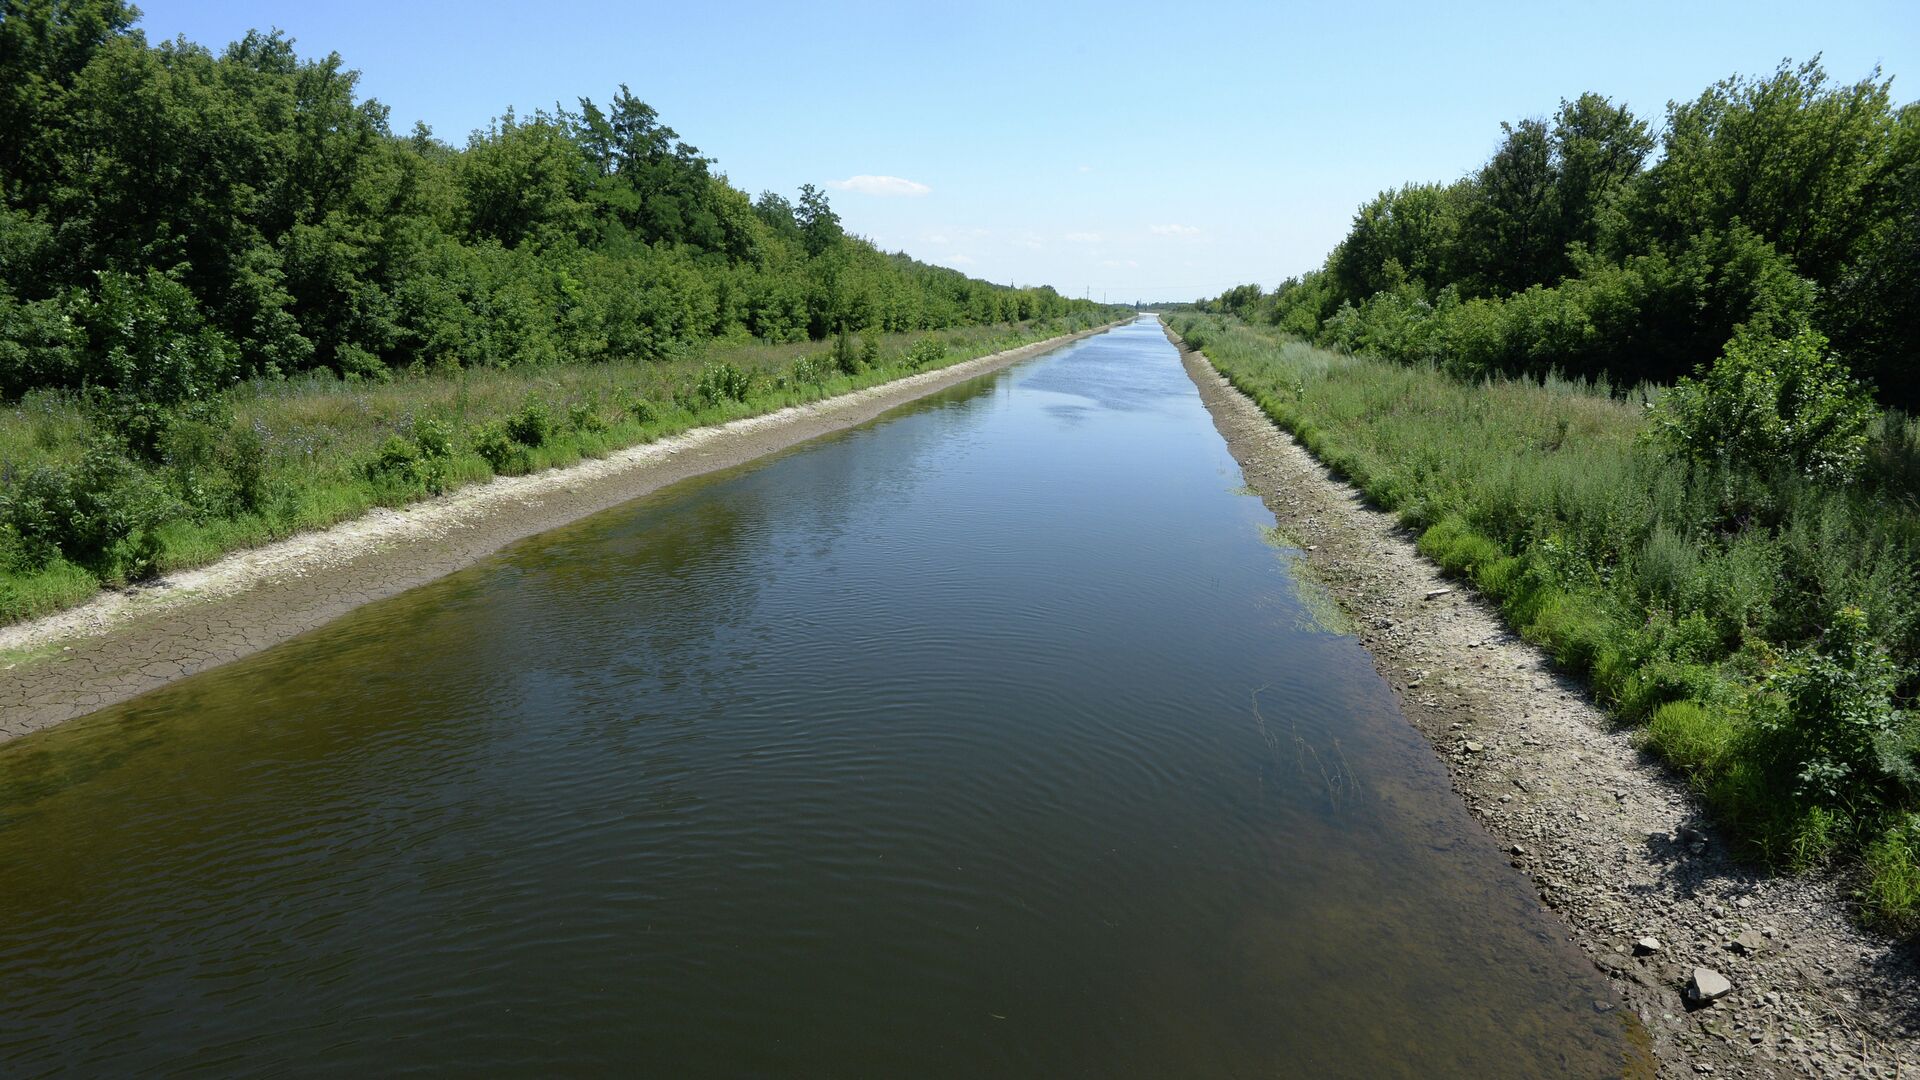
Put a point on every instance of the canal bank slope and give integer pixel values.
(122, 644)
(1611, 841)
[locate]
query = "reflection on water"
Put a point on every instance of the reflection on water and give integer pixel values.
(987, 739)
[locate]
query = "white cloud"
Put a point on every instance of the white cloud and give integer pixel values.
(885, 186)
(1086, 168)
(1083, 238)
(1174, 230)
(961, 260)
(1121, 264)
(938, 238)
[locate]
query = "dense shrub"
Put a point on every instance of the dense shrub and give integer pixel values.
(925, 353)
(532, 425)
(1829, 728)
(1768, 403)
(721, 381)
(101, 514)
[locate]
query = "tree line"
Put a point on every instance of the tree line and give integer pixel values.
(1776, 205)
(174, 220)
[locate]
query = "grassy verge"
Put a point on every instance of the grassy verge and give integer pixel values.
(1762, 631)
(274, 458)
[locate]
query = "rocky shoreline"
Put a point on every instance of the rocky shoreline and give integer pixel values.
(1731, 971)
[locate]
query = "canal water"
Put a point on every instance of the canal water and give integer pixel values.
(992, 738)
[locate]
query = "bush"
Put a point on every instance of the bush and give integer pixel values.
(845, 357)
(396, 463)
(584, 418)
(807, 371)
(720, 381)
(925, 352)
(101, 515)
(244, 457)
(532, 425)
(640, 410)
(434, 438)
(1770, 402)
(502, 454)
(153, 356)
(1830, 731)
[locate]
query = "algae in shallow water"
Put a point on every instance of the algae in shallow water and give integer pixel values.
(1319, 612)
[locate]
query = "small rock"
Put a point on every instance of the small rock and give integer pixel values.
(1646, 946)
(1475, 747)
(1517, 850)
(1707, 985)
(1435, 594)
(1747, 942)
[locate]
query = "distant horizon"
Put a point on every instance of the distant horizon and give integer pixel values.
(989, 144)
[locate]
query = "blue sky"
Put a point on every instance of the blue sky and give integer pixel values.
(1127, 150)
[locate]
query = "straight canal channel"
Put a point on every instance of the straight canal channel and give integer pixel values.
(996, 737)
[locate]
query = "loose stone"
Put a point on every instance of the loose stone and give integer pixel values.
(1707, 985)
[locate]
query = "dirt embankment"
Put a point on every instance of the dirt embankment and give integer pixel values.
(1612, 842)
(121, 644)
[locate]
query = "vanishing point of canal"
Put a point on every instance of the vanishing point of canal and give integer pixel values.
(992, 738)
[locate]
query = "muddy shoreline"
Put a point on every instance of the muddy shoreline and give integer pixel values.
(122, 644)
(1611, 841)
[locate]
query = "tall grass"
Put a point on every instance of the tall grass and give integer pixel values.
(292, 455)
(1705, 605)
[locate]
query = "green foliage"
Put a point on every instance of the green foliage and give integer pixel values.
(1891, 892)
(1769, 403)
(397, 462)
(926, 352)
(1829, 727)
(101, 515)
(434, 438)
(174, 219)
(845, 357)
(531, 425)
(500, 451)
(810, 371)
(721, 381)
(1776, 203)
(584, 417)
(641, 411)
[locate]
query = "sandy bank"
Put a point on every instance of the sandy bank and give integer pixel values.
(1611, 841)
(121, 644)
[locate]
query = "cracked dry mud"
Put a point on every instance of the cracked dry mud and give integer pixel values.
(1612, 842)
(123, 644)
